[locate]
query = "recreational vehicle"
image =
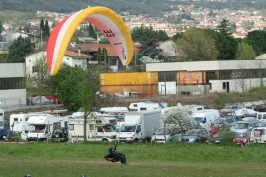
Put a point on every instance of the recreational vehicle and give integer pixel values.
(142, 106)
(98, 128)
(41, 127)
(18, 122)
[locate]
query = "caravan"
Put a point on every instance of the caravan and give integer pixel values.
(142, 106)
(41, 127)
(99, 128)
(18, 122)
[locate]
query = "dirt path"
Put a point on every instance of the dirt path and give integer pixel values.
(161, 164)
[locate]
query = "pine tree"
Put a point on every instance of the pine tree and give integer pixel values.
(46, 31)
(19, 49)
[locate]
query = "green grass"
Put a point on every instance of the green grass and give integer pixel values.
(172, 159)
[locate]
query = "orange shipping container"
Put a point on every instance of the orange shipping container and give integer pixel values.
(134, 78)
(191, 78)
(127, 89)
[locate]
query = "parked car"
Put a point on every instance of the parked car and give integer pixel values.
(4, 133)
(225, 121)
(242, 138)
(246, 125)
(260, 108)
(222, 137)
(231, 107)
(195, 135)
(165, 134)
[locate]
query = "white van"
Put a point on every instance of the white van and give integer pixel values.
(261, 116)
(258, 135)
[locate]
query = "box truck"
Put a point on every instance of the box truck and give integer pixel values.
(139, 126)
(99, 128)
(41, 127)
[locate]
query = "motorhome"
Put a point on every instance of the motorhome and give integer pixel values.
(41, 127)
(114, 110)
(142, 106)
(98, 128)
(19, 122)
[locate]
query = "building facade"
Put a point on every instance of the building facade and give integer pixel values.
(12, 84)
(221, 75)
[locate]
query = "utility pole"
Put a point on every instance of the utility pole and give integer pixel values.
(41, 37)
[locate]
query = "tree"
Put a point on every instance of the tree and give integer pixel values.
(19, 49)
(178, 116)
(194, 45)
(91, 31)
(46, 31)
(3, 57)
(224, 27)
(39, 77)
(77, 87)
(245, 51)
(257, 40)
(1, 30)
(100, 57)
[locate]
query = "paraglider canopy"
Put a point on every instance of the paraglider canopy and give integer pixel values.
(106, 20)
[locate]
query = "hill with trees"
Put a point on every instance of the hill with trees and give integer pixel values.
(151, 7)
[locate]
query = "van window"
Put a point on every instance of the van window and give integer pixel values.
(264, 116)
(259, 116)
(15, 119)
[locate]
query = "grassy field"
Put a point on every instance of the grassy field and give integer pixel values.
(145, 160)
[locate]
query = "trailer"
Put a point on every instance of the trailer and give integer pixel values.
(142, 106)
(41, 127)
(98, 128)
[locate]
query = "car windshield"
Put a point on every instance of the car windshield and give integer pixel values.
(191, 133)
(242, 135)
(241, 126)
(128, 128)
(198, 119)
(219, 121)
(161, 131)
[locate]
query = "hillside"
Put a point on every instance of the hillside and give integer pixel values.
(151, 7)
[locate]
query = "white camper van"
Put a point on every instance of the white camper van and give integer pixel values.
(142, 106)
(18, 122)
(41, 127)
(98, 128)
(261, 116)
(206, 117)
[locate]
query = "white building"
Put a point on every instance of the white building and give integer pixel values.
(221, 75)
(12, 84)
(70, 58)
